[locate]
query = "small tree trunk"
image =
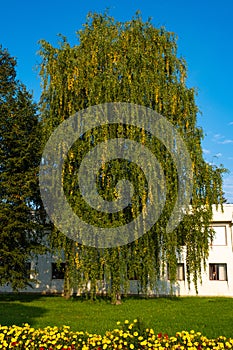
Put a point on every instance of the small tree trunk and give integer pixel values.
(67, 288)
(116, 299)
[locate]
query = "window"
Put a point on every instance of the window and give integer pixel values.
(132, 273)
(180, 272)
(28, 270)
(220, 237)
(23, 267)
(180, 275)
(218, 272)
(58, 271)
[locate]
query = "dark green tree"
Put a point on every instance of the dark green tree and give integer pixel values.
(137, 63)
(20, 204)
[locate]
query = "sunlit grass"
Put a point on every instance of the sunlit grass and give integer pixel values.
(211, 316)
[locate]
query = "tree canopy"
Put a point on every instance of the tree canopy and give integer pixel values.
(137, 63)
(20, 231)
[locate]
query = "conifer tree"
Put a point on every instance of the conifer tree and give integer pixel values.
(20, 204)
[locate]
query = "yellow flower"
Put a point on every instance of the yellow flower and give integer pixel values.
(173, 339)
(126, 321)
(85, 347)
(143, 343)
(131, 346)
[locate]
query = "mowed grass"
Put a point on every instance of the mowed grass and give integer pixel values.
(211, 316)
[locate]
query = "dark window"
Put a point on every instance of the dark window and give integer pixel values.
(218, 272)
(28, 270)
(133, 275)
(58, 271)
(180, 275)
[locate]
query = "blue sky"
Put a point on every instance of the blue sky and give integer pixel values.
(205, 39)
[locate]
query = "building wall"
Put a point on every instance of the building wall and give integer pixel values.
(215, 280)
(221, 252)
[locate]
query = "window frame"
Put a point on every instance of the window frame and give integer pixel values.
(225, 233)
(214, 269)
(28, 270)
(179, 265)
(58, 270)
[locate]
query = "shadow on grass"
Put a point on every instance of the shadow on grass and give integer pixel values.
(15, 309)
(124, 298)
(152, 297)
(25, 297)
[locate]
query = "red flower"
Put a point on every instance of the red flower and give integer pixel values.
(14, 343)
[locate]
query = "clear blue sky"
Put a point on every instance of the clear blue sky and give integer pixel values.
(205, 39)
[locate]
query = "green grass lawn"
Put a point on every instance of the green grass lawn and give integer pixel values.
(211, 316)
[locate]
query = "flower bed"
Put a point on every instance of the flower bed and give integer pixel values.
(126, 336)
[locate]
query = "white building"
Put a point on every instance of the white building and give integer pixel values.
(217, 280)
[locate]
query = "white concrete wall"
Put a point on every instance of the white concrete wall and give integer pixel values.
(43, 274)
(219, 254)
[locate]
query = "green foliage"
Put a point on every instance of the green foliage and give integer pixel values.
(137, 63)
(19, 190)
